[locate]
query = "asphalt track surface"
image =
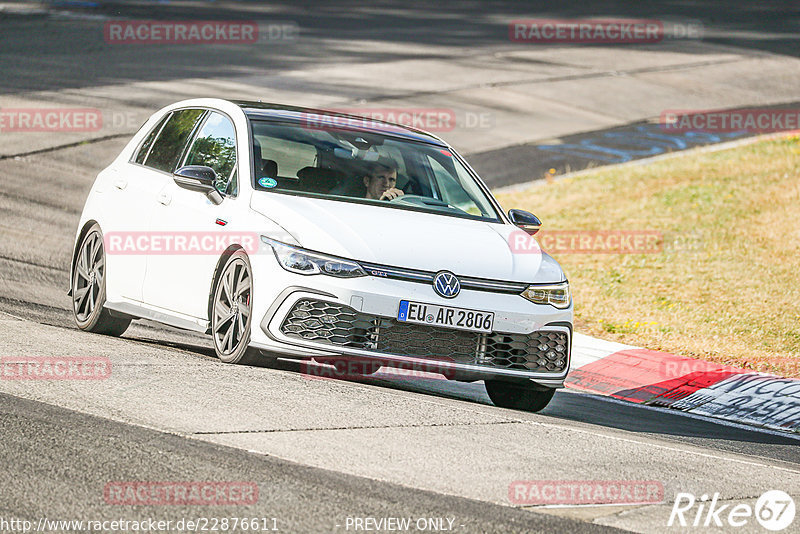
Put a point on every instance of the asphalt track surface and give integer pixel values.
(320, 450)
(299, 498)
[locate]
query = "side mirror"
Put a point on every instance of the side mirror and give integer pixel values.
(198, 178)
(525, 220)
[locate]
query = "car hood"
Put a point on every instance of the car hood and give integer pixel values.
(406, 238)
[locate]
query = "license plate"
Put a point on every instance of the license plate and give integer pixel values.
(445, 316)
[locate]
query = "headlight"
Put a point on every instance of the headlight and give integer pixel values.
(301, 261)
(555, 294)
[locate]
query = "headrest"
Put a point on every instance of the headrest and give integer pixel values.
(317, 180)
(270, 168)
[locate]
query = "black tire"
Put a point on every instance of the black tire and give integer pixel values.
(518, 396)
(88, 288)
(234, 349)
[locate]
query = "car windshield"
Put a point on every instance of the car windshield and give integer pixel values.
(359, 166)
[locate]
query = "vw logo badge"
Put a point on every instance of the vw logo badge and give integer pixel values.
(446, 284)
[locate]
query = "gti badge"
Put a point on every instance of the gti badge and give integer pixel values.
(446, 284)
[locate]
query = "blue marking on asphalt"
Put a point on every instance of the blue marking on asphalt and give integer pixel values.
(646, 140)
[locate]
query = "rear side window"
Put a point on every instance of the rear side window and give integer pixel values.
(168, 148)
(144, 149)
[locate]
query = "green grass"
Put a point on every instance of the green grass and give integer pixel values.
(725, 288)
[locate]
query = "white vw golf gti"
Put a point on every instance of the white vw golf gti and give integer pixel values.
(305, 234)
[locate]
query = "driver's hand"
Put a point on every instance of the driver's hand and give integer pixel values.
(391, 194)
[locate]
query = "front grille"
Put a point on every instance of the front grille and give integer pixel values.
(336, 324)
(317, 320)
(539, 351)
(420, 341)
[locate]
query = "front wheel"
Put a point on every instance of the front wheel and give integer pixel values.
(518, 396)
(88, 288)
(231, 313)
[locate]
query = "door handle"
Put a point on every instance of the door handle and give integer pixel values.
(165, 198)
(121, 183)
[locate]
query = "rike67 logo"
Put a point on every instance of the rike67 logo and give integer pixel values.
(774, 510)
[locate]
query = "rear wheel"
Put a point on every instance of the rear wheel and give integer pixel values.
(231, 314)
(88, 288)
(518, 396)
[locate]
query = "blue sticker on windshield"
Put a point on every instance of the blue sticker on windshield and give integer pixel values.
(267, 182)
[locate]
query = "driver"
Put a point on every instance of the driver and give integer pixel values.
(381, 179)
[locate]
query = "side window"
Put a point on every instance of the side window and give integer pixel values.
(144, 149)
(451, 189)
(215, 147)
(458, 188)
(168, 148)
(233, 185)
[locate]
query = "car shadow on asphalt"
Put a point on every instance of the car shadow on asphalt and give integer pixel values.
(595, 410)
(590, 410)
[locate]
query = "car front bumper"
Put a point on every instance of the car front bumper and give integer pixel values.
(509, 353)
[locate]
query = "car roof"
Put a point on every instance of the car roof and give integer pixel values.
(281, 112)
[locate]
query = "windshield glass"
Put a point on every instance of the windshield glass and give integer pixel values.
(351, 165)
